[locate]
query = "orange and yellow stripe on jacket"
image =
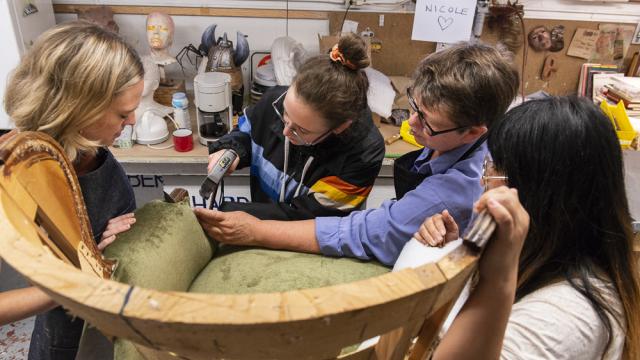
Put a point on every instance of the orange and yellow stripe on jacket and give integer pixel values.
(331, 191)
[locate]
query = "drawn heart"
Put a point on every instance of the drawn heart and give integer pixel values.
(444, 22)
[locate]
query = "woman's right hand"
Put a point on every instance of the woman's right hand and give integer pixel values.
(502, 253)
(114, 227)
(213, 160)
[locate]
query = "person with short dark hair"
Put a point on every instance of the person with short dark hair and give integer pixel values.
(568, 288)
(456, 96)
(312, 147)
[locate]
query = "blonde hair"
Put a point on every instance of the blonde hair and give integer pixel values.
(67, 81)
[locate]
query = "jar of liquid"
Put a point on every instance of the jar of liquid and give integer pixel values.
(180, 105)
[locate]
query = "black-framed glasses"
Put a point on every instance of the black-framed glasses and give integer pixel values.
(423, 118)
(488, 169)
(292, 127)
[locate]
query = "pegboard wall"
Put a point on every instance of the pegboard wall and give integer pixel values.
(399, 54)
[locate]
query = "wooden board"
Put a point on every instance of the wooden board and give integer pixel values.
(199, 11)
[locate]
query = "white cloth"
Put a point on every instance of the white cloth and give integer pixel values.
(557, 322)
(415, 254)
(380, 95)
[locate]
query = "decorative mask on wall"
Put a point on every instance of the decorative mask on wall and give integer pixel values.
(557, 38)
(541, 39)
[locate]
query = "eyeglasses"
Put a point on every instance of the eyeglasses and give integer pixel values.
(292, 127)
(488, 169)
(423, 119)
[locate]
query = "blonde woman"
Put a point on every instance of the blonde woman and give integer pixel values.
(80, 84)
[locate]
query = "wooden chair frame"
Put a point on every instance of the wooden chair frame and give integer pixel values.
(300, 324)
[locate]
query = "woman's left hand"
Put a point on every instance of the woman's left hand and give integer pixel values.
(116, 226)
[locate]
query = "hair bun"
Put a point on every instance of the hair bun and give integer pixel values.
(353, 50)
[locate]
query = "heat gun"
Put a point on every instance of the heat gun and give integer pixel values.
(209, 187)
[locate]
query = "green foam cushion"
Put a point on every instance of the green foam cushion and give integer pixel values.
(165, 249)
(237, 270)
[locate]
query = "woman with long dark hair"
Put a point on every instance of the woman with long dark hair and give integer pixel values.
(569, 288)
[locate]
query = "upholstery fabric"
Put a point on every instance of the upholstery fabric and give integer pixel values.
(165, 249)
(237, 270)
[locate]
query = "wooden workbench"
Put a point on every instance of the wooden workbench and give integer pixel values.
(141, 159)
(153, 170)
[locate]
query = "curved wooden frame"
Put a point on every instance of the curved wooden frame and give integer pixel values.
(28, 157)
(310, 323)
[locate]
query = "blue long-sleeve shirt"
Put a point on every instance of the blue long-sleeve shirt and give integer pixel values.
(381, 233)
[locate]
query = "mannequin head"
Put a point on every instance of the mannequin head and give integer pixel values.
(160, 29)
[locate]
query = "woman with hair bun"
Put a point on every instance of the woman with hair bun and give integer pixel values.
(312, 147)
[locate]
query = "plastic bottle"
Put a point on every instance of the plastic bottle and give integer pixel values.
(180, 105)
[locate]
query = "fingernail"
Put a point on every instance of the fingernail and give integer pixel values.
(492, 203)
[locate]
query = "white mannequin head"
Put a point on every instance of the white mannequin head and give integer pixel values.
(160, 29)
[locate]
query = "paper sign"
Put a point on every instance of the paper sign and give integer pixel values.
(446, 21)
(350, 26)
(583, 43)
(622, 35)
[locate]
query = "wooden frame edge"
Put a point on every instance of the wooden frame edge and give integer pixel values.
(200, 11)
(46, 271)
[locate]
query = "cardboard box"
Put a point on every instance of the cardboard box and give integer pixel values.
(400, 84)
